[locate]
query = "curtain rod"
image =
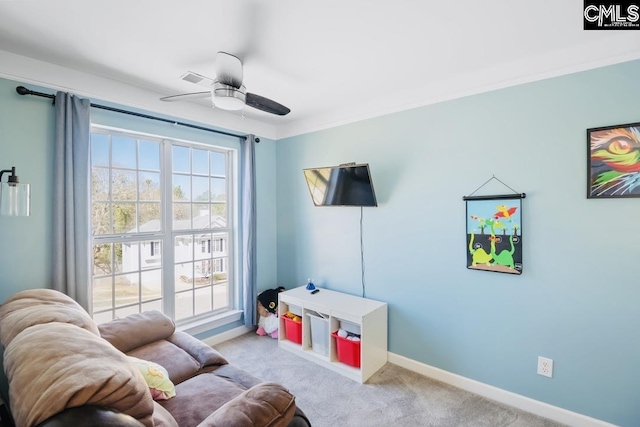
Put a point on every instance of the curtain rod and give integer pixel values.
(24, 91)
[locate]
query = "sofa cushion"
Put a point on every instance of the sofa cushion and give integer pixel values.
(266, 404)
(178, 363)
(236, 375)
(56, 366)
(208, 390)
(39, 306)
(162, 417)
(137, 330)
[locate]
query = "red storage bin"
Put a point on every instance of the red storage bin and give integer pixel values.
(348, 351)
(293, 330)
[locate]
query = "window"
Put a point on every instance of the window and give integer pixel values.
(205, 246)
(218, 245)
(154, 248)
(218, 265)
(156, 205)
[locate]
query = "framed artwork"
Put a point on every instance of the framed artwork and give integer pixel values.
(613, 161)
(494, 233)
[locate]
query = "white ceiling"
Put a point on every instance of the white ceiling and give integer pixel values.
(330, 61)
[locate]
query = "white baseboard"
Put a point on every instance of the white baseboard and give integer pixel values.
(227, 335)
(499, 395)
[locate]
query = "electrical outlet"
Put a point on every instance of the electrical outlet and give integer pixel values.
(545, 367)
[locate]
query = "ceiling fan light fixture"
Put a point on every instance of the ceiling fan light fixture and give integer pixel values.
(227, 91)
(227, 97)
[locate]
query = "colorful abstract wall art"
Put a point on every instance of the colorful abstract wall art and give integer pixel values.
(613, 161)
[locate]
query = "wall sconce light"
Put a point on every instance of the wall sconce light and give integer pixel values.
(14, 197)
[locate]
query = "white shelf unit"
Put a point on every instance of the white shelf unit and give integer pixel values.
(369, 315)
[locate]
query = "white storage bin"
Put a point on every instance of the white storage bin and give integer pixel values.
(319, 333)
(295, 309)
(354, 328)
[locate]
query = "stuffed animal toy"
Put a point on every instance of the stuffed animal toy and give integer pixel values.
(268, 312)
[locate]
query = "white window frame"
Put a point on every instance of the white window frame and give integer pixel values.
(217, 317)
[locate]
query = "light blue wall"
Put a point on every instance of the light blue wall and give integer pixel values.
(26, 141)
(577, 300)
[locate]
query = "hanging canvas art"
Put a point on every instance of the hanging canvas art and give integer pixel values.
(494, 233)
(613, 163)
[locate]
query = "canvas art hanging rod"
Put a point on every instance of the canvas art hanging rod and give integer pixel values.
(496, 197)
(24, 91)
(514, 195)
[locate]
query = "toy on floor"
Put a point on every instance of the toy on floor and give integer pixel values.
(268, 322)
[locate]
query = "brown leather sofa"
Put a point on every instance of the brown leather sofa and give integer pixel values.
(64, 370)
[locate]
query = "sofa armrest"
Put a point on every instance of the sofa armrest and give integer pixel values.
(56, 366)
(266, 404)
(90, 416)
(204, 354)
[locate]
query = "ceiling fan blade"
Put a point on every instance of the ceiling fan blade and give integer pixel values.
(265, 104)
(186, 96)
(229, 69)
(254, 20)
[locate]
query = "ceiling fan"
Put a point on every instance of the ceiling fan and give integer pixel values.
(227, 90)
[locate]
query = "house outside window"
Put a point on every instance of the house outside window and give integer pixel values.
(218, 245)
(156, 205)
(154, 248)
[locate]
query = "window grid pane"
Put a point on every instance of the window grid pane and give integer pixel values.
(125, 276)
(206, 267)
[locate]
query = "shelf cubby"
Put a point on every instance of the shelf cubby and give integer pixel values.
(369, 316)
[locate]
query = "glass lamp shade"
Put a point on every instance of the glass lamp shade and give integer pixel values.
(14, 199)
(227, 97)
(228, 103)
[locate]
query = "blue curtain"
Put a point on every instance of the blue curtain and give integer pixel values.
(248, 202)
(71, 186)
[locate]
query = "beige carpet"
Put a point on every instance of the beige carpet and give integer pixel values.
(392, 397)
